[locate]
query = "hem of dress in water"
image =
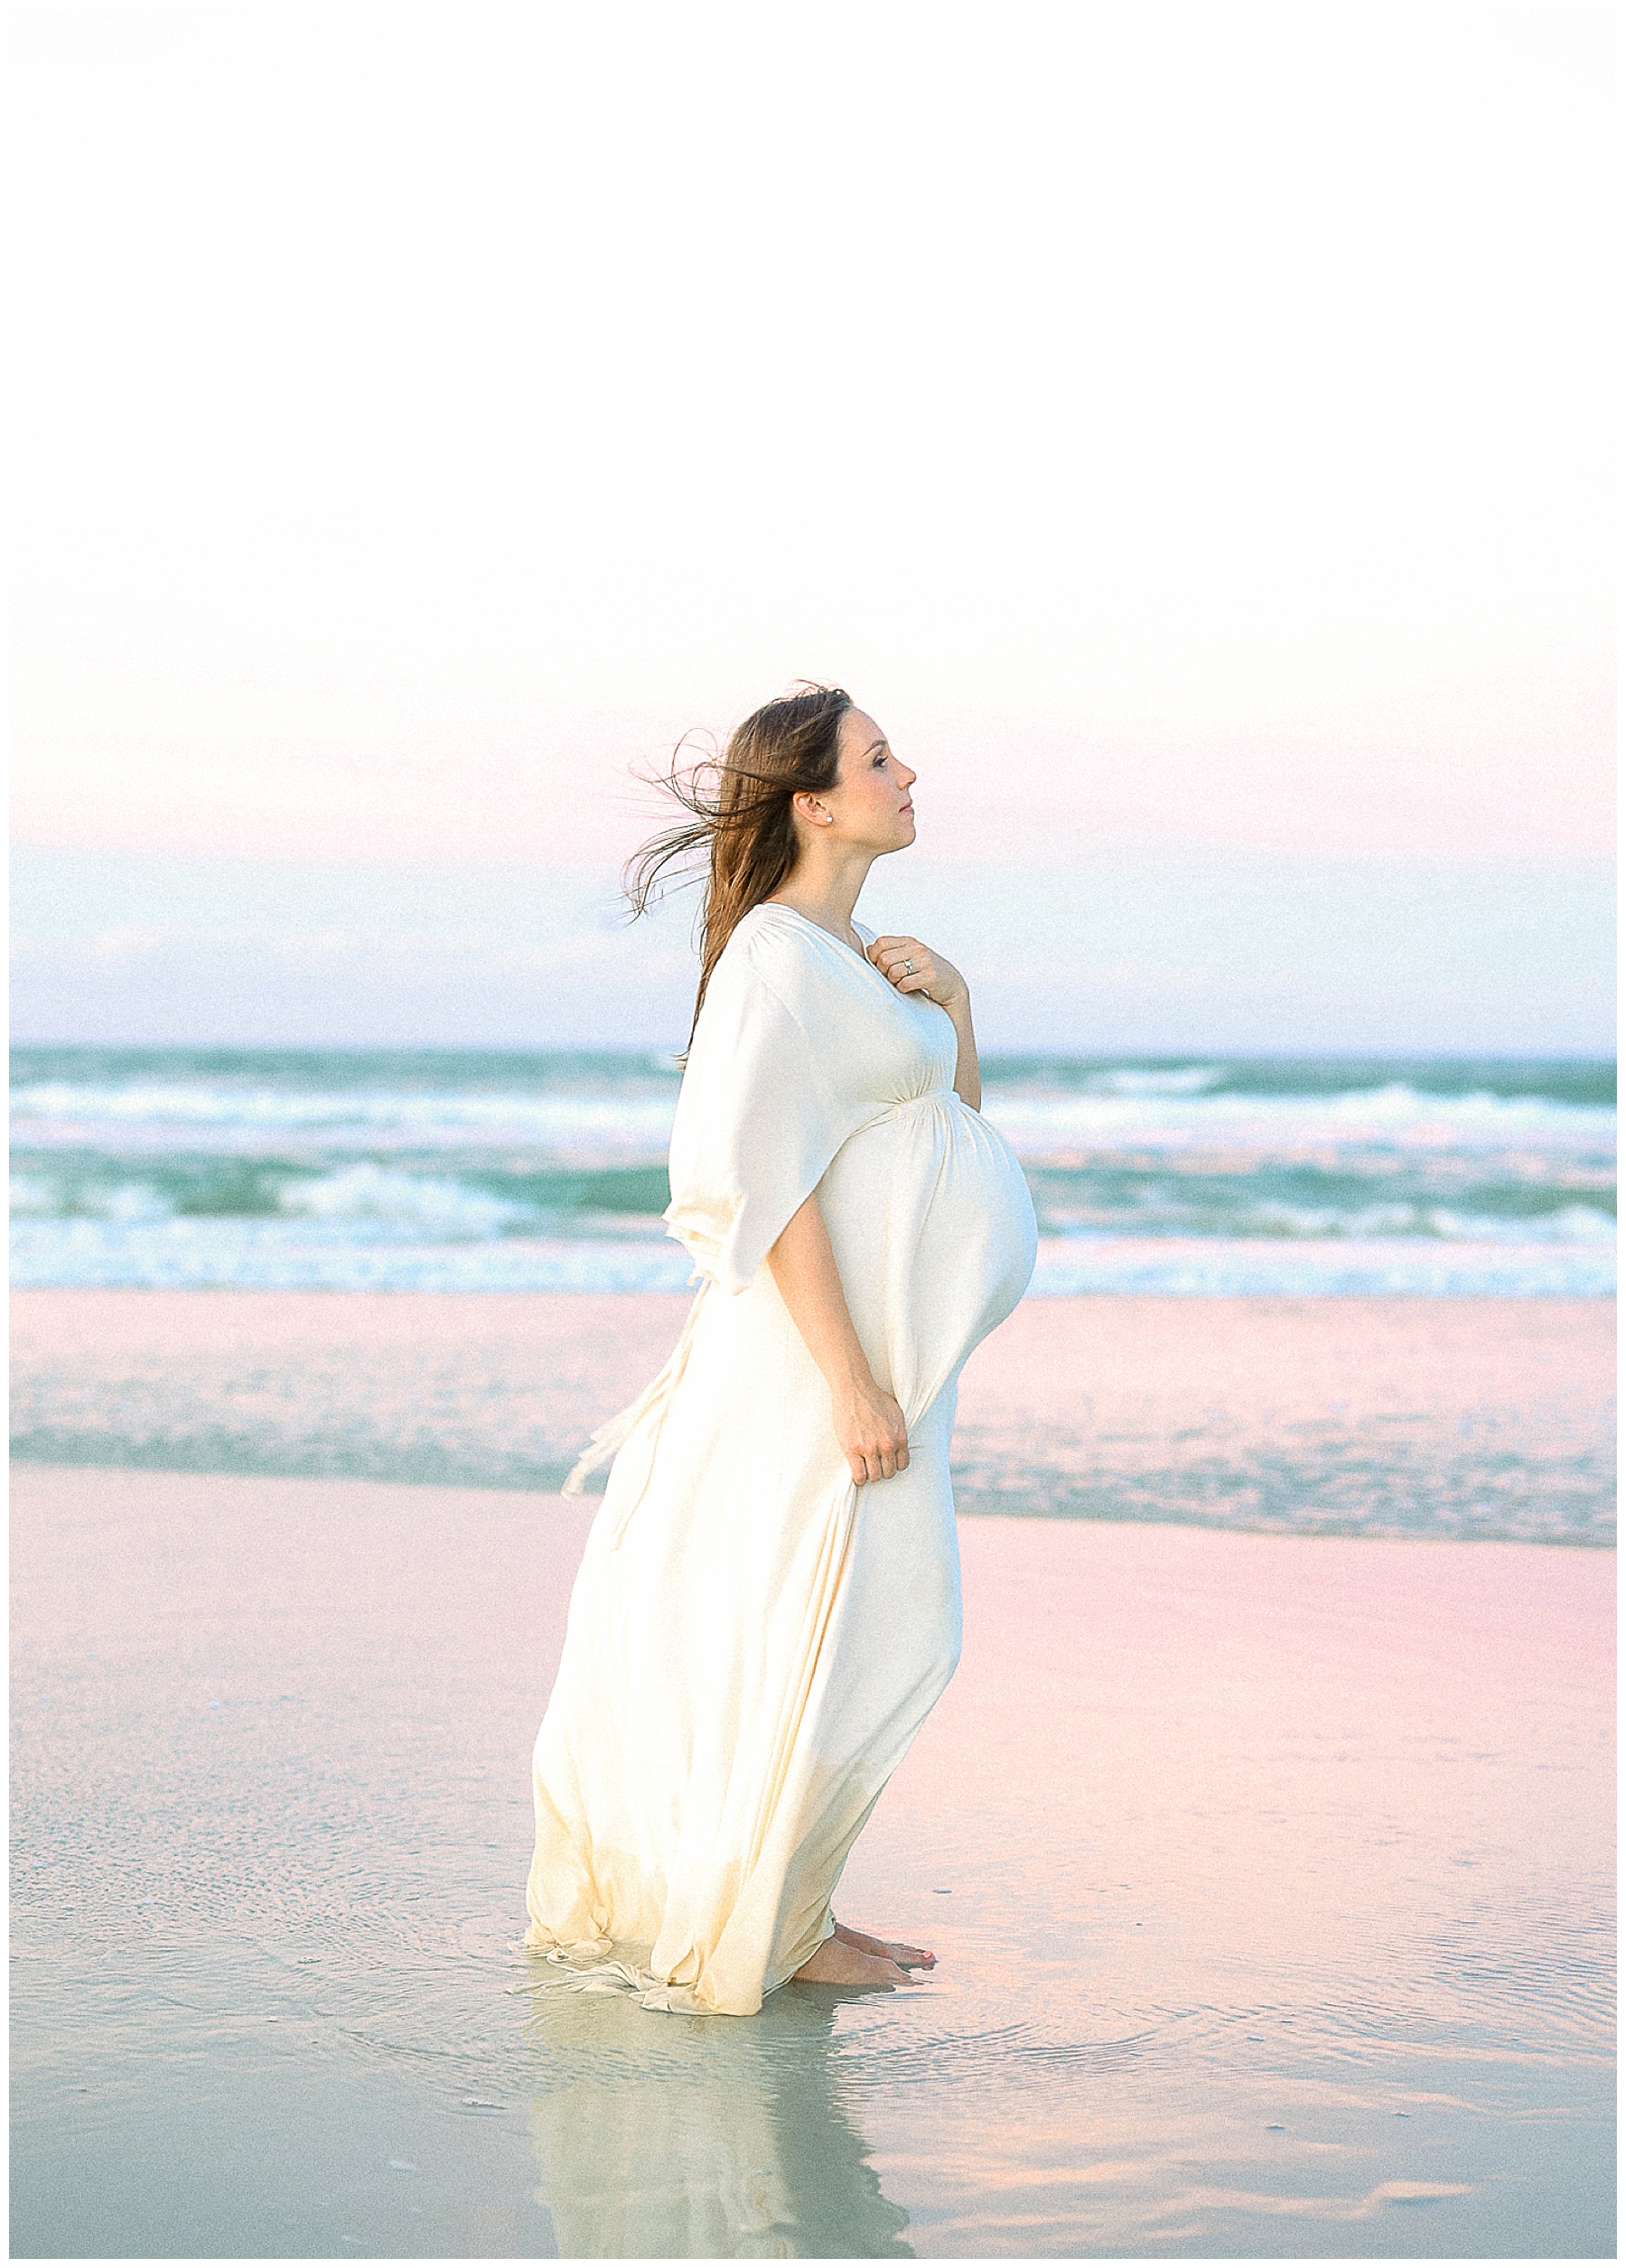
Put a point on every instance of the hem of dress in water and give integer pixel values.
(612, 1975)
(589, 1964)
(585, 1970)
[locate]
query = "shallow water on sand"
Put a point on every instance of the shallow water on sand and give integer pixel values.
(1269, 1881)
(1468, 1418)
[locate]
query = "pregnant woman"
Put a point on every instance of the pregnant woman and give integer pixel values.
(768, 1605)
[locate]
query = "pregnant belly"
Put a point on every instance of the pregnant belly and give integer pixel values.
(934, 1236)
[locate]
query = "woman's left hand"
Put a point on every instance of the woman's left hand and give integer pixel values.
(914, 967)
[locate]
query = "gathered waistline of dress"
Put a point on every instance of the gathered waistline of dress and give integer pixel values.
(939, 1095)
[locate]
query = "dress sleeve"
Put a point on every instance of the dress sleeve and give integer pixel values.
(756, 1124)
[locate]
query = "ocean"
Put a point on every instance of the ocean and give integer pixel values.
(387, 1170)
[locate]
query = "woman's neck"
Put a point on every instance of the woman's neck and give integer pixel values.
(825, 891)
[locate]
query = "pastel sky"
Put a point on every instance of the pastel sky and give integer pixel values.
(1186, 427)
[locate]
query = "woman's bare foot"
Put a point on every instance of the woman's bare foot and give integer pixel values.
(838, 1963)
(906, 1957)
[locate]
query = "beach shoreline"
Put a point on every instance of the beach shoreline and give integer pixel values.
(1466, 1418)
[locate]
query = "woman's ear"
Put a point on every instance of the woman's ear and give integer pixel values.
(808, 807)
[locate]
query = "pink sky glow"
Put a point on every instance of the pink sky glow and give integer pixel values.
(1187, 429)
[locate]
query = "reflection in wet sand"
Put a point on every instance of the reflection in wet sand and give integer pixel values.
(693, 2137)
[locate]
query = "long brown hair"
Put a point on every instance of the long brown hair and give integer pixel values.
(742, 821)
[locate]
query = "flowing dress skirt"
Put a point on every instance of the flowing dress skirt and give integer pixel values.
(736, 1691)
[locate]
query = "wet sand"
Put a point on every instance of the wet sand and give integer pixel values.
(1473, 1418)
(1270, 1879)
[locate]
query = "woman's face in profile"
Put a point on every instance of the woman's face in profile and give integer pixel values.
(870, 804)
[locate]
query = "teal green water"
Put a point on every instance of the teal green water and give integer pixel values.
(438, 1171)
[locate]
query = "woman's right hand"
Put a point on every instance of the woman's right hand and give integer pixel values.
(869, 1425)
(870, 1428)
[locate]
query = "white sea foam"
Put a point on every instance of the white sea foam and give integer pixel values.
(1195, 1080)
(1571, 1224)
(354, 1253)
(1198, 1266)
(1044, 1125)
(592, 1127)
(329, 1256)
(1117, 1110)
(414, 1202)
(128, 1202)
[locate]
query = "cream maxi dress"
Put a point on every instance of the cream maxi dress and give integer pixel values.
(753, 1641)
